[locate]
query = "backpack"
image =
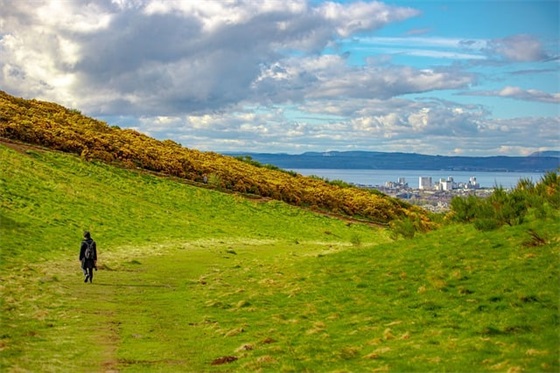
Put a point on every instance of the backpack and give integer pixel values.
(89, 253)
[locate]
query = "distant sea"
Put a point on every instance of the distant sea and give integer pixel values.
(506, 180)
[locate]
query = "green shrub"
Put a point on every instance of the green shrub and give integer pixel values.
(549, 188)
(356, 240)
(509, 207)
(486, 224)
(464, 209)
(403, 227)
(215, 180)
(504, 207)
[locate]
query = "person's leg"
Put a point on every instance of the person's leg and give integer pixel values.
(84, 269)
(90, 274)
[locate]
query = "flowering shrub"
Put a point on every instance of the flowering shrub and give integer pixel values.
(55, 127)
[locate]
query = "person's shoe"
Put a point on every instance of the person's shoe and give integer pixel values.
(87, 277)
(90, 279)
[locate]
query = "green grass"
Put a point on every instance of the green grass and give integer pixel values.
(48, 200)
(189, 275)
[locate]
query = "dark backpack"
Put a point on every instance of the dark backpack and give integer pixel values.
(89, 253)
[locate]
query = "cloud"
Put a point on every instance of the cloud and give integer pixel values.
(143, 57)
(517, 48)
(518, 93)
(429, 126)
(534, 71)
(514, 48)
(323, 77)
(424, 46)
(361, 16)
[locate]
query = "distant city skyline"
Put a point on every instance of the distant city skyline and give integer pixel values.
(411, 177)
(431, 77)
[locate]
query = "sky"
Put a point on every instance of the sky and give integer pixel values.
(469, 78)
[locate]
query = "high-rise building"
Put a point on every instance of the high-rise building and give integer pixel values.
(424, 182)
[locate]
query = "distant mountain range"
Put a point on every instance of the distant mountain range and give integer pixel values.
(536, 162)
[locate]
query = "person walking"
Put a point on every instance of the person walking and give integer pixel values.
(88, 256)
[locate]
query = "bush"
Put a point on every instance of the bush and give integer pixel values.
(403, 227)
(356, 240)
(215, 180)
(509, 207)
(464, 209)
(549, 189)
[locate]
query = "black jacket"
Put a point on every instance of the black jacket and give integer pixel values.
(84, 246)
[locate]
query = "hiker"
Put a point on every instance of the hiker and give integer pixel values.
(88, 256)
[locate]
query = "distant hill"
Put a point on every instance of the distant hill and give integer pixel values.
(537, 162)
(549, 153)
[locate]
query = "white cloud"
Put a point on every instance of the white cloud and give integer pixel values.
(434, 47)
(362, 16)
(515, 48)
(329, 76)
(165, 57)
(430, 127)
(518, 93)
(519, 48)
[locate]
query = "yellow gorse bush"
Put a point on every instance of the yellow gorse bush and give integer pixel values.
(58, 128)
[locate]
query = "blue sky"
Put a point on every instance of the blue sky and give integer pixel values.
(432, 77)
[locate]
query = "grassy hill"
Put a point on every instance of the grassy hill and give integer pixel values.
(55, 127)
(192, 279)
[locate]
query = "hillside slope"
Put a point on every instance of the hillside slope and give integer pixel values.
(48, 199)
(55, 127)
(193, 279)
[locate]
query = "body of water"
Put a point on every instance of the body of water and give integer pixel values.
(380, 177)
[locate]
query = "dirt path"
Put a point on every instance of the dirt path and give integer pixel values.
(93, 305)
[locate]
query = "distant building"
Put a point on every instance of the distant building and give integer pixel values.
(401, 183)
(473, 184)
(424, 182)
(447, 185)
